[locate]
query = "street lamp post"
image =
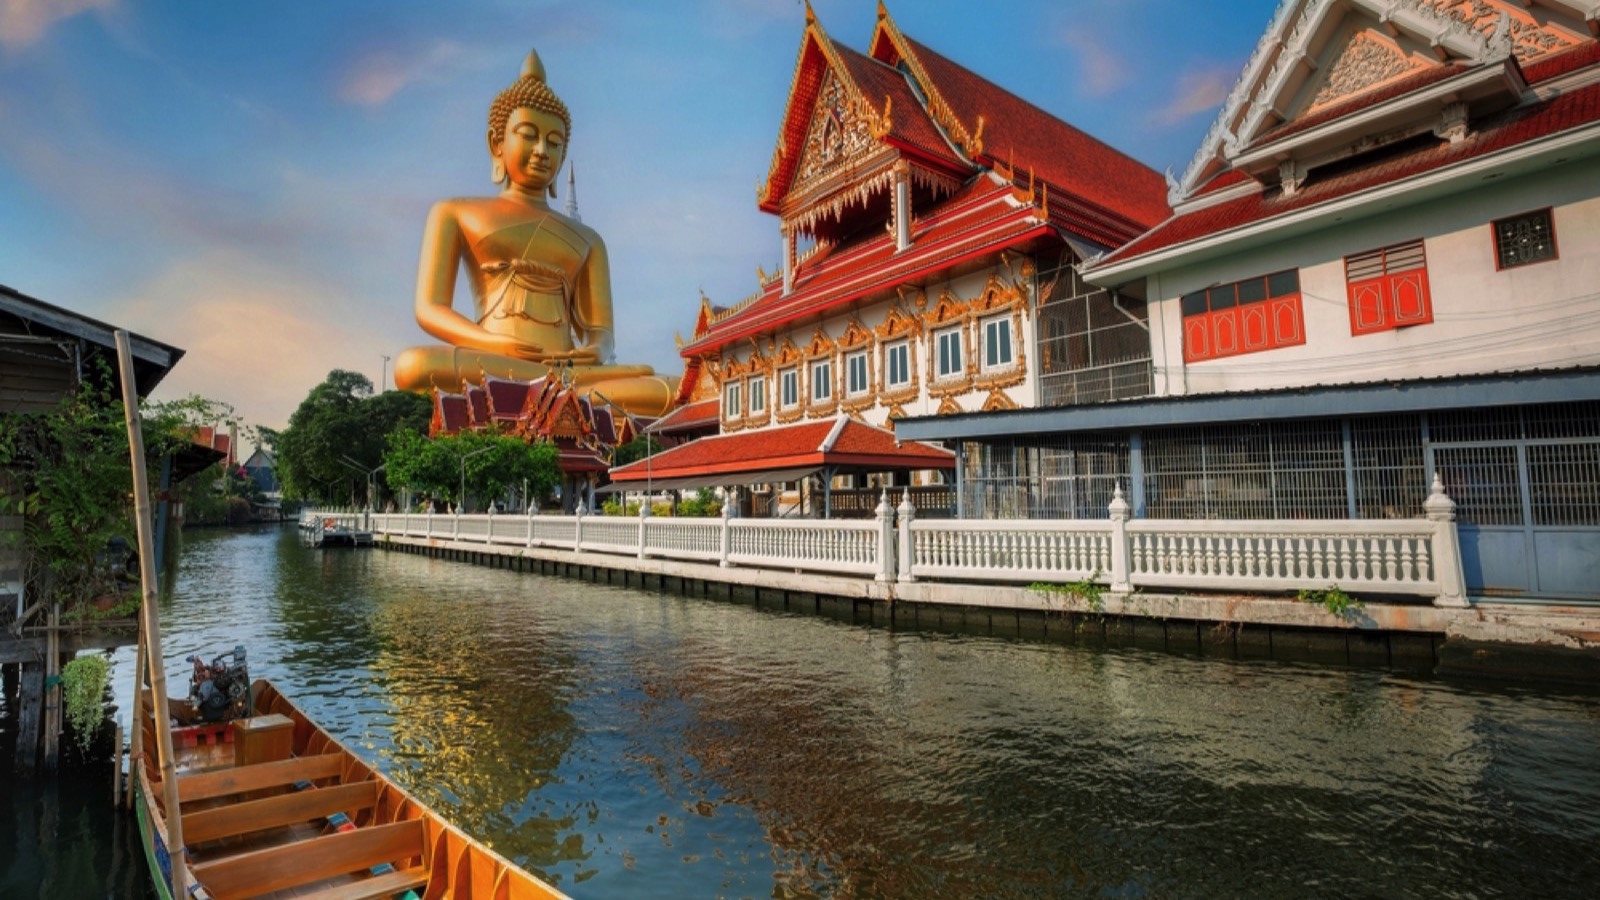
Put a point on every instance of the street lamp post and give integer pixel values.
(370, 473)
(383, 375)
(461, 497)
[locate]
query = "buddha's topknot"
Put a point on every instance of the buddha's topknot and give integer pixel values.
(531, 91)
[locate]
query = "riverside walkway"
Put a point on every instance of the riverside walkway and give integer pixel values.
(1191, 580)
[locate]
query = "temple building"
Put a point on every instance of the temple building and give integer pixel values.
(1381, 268)
(929, 223)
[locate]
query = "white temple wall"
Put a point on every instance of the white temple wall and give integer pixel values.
(1484, 319)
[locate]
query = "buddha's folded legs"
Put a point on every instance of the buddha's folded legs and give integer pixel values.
(636, 389)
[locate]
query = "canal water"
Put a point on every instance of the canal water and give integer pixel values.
(624, 743)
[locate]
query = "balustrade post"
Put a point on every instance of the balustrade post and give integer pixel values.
(427, 523)
(532, 518)
(1441, 511)
(727, 534)
(577, 531)
(1120, 513)
(644, 517)
(455, 525)
(488, 529)
(887, 547)
(908, 514)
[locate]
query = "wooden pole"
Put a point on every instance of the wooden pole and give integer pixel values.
(136, 738)
(116, 769)
(52, 691)
(150, 617)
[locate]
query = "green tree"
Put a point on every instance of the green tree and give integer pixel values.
(635, 450)
(71, 483)
(337, 437)
(486, 464)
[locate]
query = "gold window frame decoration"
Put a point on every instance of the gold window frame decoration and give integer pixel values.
(897, 325)
(822, 348)
(788, 357)
(949, 312)
(856, 339)
(757, 365)
(997, 298)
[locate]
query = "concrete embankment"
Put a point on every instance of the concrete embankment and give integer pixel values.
(1521, 641)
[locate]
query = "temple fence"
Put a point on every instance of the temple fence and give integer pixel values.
(1415, 557)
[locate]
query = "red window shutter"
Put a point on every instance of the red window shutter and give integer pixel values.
(1225, 332)
(1256, 326)
(1196, 338)
(1388, 288)
(1287, 327)
(1409, 294)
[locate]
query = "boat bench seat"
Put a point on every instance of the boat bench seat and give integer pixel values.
(307, 862)
(246, 816)
(260, 776)
(385, 885)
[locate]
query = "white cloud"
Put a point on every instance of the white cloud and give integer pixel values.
(1197, 91)
(22, 22)
(1101, 68)
(373, 78)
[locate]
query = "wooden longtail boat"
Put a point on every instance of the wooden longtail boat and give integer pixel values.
(272, 806)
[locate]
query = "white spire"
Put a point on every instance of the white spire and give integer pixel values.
(572, 193)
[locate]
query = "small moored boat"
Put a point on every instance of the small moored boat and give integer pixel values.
(272, 806)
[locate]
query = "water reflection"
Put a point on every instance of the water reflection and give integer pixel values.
(625, 743)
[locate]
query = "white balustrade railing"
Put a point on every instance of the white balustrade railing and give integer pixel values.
(1419, 557)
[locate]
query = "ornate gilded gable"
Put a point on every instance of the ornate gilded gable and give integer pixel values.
(787, 355)
(997, 295)
(821, 345)
(840, 133)
(949, 407)
(948, 309)
(898, 322)
(998, 400)
(855, 336)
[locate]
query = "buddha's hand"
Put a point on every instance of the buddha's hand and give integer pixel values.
(588, 355)
(515, 348)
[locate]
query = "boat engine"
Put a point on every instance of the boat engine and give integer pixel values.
(220, 691)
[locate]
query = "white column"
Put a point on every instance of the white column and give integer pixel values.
(533, 518)
(908, 514)
(1441, 511)
(577, 532)
(887, 548)
(1120, 512)
(727, 531)
(788, 258)
(644, 517)
(902, 207)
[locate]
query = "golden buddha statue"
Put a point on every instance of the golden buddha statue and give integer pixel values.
(540, 280)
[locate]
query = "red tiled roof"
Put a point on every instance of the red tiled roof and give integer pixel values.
(689, 417)
(449, 414)
(982, 218)
(505, 398)
(1019, 134)
(909, 125)
(1554, 65)
(1517, 126)
(789, 446)
(477, 405)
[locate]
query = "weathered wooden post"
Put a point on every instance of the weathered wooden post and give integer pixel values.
(1441, 511)
(151, 618)
(908, 514)
(727, 534)
(1120, 513)
(887, 546)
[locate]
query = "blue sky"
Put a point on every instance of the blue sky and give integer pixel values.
(248, 181)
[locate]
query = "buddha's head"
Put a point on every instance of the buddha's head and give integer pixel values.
(528, 130)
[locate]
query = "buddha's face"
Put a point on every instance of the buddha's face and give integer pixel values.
(533, 149)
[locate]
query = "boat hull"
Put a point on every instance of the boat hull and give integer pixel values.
(274, 806)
